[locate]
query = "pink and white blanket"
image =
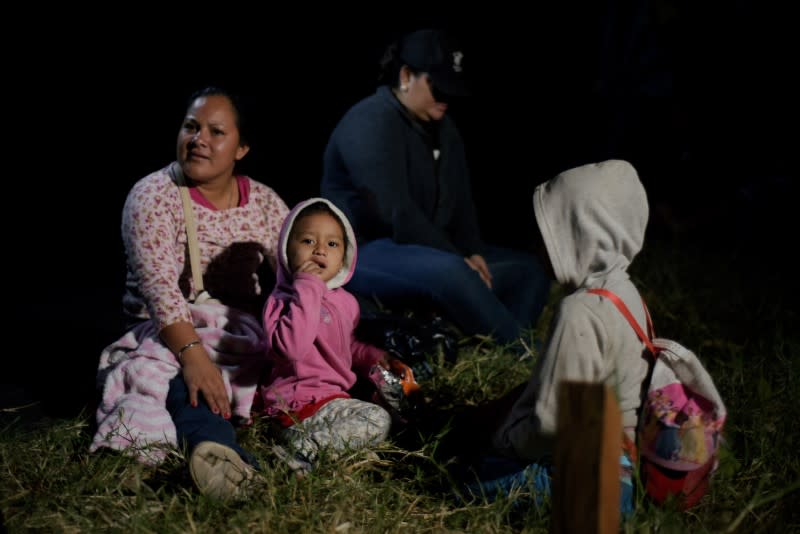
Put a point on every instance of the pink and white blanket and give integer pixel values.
(134, 374)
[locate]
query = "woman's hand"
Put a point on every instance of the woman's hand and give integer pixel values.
(202, 375)
(478, 264)
(199, 372)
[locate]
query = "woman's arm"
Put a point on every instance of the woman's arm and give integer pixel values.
(150, 227)
(199, 372)
(149, 231)
(463, 224)
(376, 153)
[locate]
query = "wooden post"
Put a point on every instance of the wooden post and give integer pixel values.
(586, 486)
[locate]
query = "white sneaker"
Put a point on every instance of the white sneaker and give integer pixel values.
(219, 471)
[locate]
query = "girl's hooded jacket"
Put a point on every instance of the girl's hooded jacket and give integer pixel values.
(310, 330)
(592, 220)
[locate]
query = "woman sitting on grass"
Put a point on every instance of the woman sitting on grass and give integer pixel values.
(187, 370)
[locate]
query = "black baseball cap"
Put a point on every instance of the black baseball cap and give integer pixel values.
(435, 52)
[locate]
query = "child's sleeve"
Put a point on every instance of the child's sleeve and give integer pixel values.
(574, 352)
(364, 355)
(292, 322)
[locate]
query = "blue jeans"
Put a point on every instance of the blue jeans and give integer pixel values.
(402, 273)
(194, 425)
(498, 476)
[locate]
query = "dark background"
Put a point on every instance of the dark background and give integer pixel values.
(701, 100)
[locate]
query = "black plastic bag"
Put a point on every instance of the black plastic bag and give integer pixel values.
(412, 339)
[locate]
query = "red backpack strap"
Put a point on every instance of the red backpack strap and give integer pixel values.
(629, 316)
(651, 332)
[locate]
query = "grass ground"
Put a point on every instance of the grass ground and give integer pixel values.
(734, 307)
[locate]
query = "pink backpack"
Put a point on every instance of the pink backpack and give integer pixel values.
(681, 420)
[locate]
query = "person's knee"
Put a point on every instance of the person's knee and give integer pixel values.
(456, 280)
(531, 269)
(540, 283)
(533, 280)
(378, 423)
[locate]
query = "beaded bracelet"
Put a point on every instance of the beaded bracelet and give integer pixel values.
(189, 345)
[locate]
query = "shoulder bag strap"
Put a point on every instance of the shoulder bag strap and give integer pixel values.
(191, 230)
(646, 339)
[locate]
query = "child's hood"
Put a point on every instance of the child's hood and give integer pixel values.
(592, 219)
(284, 274)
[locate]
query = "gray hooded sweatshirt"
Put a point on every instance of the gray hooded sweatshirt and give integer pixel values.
(593, 220)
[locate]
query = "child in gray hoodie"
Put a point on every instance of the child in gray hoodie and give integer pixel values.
(592, 222)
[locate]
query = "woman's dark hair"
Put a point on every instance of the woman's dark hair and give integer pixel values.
(390, 65)
(238, 108)
(321, 207)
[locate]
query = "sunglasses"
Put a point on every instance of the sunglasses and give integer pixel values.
(438, 95)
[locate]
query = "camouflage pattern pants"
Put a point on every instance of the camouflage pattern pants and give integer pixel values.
(340, 425)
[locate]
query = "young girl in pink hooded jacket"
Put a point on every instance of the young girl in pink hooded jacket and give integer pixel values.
(310, 321)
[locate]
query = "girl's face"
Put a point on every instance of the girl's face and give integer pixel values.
(316, 245)
(208, 141)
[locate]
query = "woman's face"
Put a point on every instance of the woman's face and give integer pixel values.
(208, 141)
(419, 98)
